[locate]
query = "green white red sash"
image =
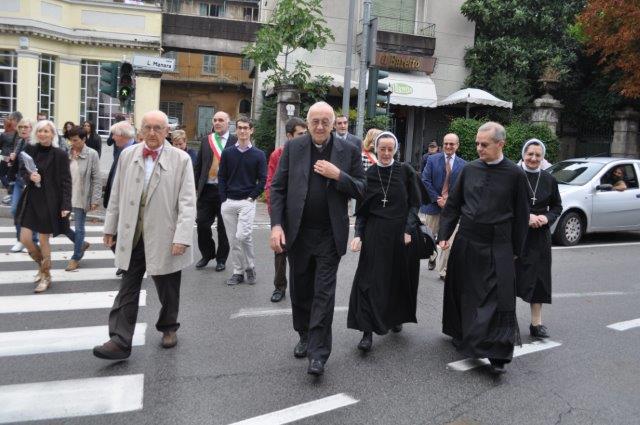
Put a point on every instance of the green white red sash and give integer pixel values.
(215, 142)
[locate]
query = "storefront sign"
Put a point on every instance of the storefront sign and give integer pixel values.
(400, 62)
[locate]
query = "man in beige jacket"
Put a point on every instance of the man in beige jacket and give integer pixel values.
(152, 212)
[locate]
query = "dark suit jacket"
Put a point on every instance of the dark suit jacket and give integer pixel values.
(204, 160)
(291, 183)
(433, 177)
(356, 141)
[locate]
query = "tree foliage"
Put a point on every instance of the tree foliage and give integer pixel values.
(516, 40)
(612, 32)
(294, 24)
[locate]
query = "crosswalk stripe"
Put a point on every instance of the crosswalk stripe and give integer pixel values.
(266, 312)
(61, 302)
(625, 326)
(468, 364)
(78, 275)
(71, 398)
(42, 341)
(12, 229)
(21, 257)
(60, 240)
(301, 411)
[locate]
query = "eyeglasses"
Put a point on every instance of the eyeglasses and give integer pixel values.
(316, 123)
(243, 128)
(154, 128)
(24, 126)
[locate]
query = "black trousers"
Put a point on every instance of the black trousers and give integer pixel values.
(124, 313)
(313, 262)
(208, 209)
(280, 266)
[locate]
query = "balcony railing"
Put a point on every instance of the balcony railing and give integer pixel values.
(238, 10)
(406, 26)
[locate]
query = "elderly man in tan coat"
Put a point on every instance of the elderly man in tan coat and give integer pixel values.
(152, 212)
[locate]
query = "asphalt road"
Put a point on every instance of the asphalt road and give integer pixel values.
(234, 358)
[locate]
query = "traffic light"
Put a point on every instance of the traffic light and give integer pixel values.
(109, 78)
(125, 88)
(377, 93)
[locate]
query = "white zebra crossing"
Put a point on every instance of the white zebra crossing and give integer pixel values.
(61, 302)
(21, 257)
(58, 240)
(57, 276)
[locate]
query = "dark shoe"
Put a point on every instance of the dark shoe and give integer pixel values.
(219, 266)
(316, 367)
(119, 272)
(202, 263)
(443, 278)
(539, 331)
(169, 339)
(251, 276)
(300, 350)
(235, 279)
(432, 264)
(497, 367)
(366, 342)
(277, 295)
(111, 351)
(397, 328)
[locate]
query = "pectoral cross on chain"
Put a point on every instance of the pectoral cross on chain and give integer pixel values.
(534, 199)
(384, 202)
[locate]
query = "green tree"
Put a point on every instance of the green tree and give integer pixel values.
(516, 40)
(294, 24)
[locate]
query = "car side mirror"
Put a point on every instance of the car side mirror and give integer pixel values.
(604, 187)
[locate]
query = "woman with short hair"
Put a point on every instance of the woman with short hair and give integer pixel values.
(179, 140)
(46, 201)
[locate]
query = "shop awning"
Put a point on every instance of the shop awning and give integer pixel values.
(411, 90)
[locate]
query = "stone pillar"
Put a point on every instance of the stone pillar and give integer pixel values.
(67, 107)
(626, 142)
(147, 94)
(27, 87)
(288, 106)
(547, 112)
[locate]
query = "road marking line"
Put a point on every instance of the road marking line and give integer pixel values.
(468, 364)
(597, 245)
(59, 240)
(623, 326)
(301, 411)
(587, 294)
(71, 398)
(89, 229)
(256, 312)
(42, 341)
(17, 257)
(57, 276)
(62, 302)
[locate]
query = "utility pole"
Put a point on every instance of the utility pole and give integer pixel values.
(346, 89)
(364, 49)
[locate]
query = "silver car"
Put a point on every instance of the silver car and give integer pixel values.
(590, 200)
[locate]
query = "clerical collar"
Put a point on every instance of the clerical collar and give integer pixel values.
(321, 146)
(497, 161)
(381, 165)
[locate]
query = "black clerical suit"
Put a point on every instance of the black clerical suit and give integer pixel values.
(208, 204)
(312, 210)
(491, 201)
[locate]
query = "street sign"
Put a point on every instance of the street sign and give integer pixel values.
(154, 63)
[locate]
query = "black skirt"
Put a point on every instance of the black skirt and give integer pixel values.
(35, 213)
(385, 285)
(533, 269)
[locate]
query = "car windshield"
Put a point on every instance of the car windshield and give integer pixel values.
(575, 173)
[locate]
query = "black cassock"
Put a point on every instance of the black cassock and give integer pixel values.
(385, 286)
(479, 292)
(533, 268)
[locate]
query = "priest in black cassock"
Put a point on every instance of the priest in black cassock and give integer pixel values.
(533, 269)
(385, 286)
(490, 200)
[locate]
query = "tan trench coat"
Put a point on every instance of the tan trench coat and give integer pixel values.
(169, 215)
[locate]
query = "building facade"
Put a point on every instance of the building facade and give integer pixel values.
(50, 54)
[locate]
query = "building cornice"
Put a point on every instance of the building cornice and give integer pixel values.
(78, 36)
(111, 4)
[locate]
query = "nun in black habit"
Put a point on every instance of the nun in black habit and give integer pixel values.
(533, 269)
(385, 286)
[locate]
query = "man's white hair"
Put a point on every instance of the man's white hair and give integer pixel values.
(318, 105)
(498, 133)
(123, 128)
(165, 119)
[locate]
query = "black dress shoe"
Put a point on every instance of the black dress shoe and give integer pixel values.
(277, 295)
(111, 351)
(202, 263)
(497, 367)
(366, 342)
(432, 265)
(397, 328)
(119, 272)
(316, 367)
(300, 350)
(539, 331)
(220, 266)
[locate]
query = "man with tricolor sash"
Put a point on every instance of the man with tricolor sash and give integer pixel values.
(208, 205)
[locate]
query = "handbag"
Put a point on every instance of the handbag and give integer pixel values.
(426, 243)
